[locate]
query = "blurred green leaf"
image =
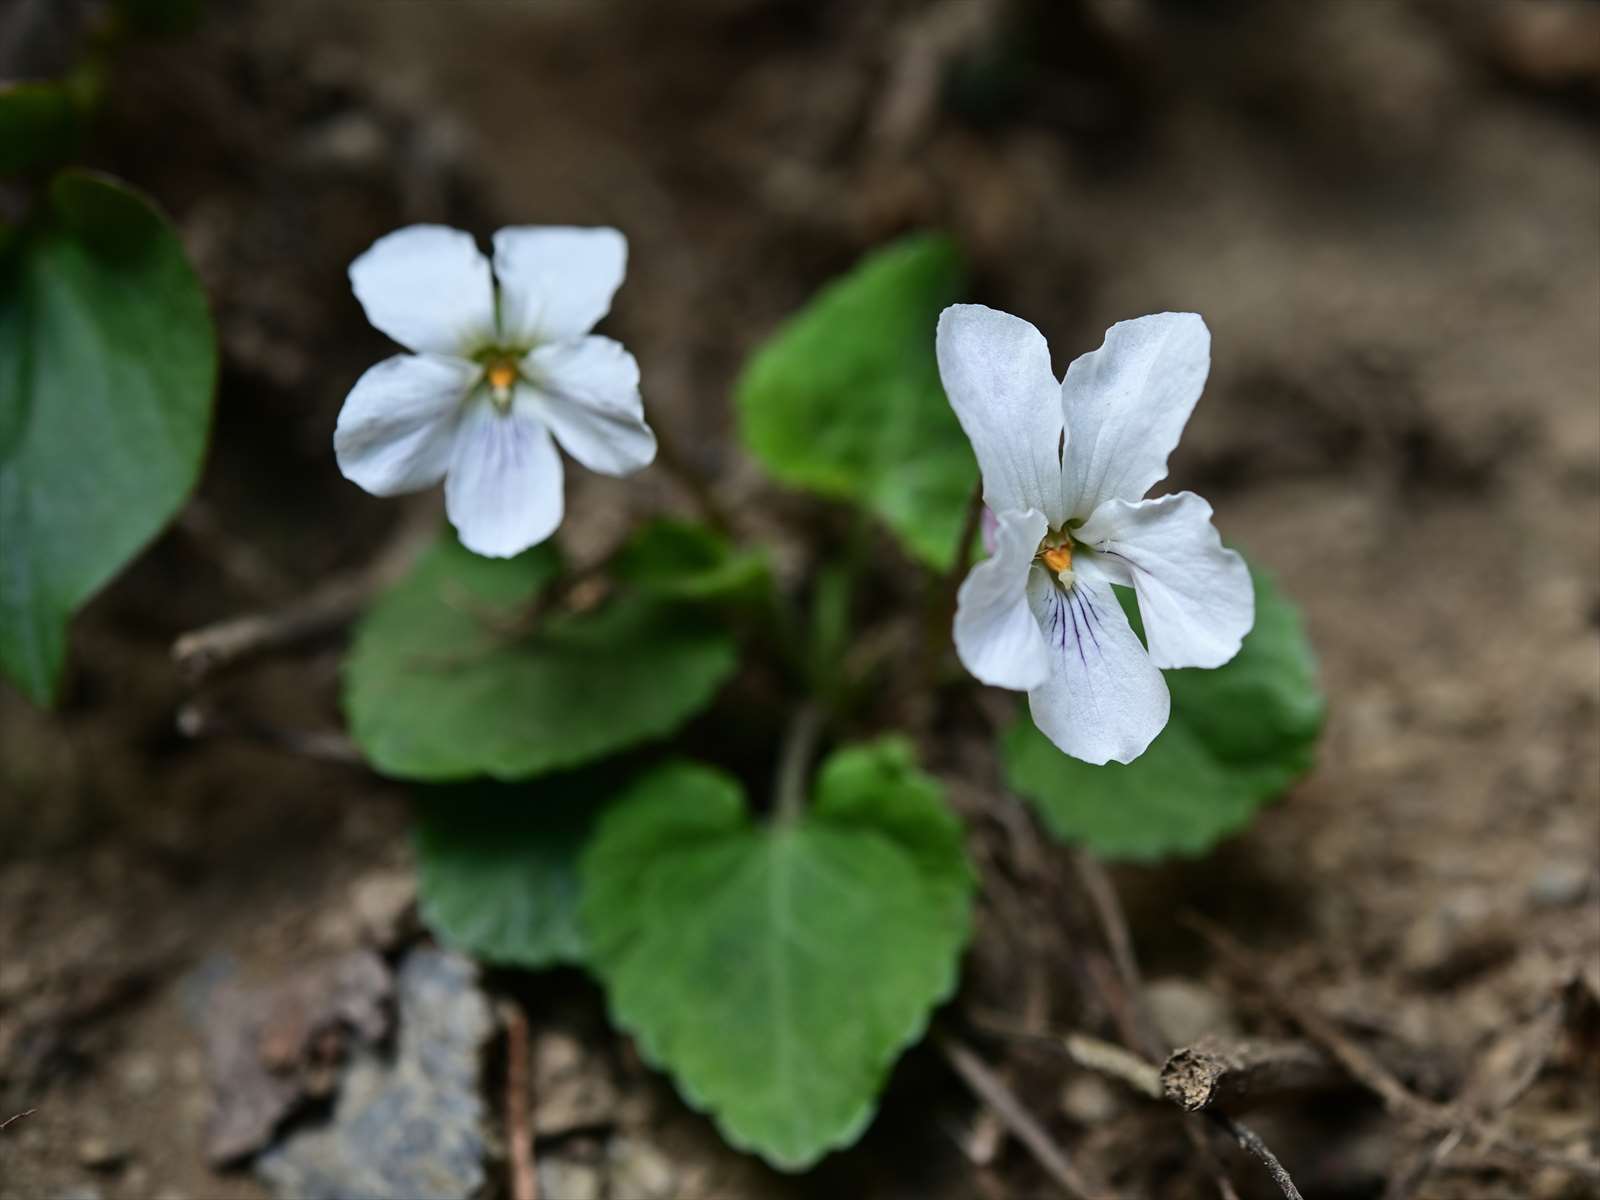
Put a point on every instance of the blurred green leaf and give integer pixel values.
(845, 399)
(777, 972)
(161, 16)
(497, 866)
(440, 683)
(107, 368)
(1239, 735)
(40, 125)
(689, 561)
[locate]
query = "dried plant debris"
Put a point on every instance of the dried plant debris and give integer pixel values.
(274, 1048)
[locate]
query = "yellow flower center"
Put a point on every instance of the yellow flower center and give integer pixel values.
(501, 375)
(1058, 558)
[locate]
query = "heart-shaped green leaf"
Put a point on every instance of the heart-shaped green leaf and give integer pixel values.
(845, 399)
(497, 865)
(778, 971)
(1238, 736)
(442, 684)
(107, 368)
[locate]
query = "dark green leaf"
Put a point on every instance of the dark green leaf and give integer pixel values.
(1239, 735)
(441, 683)
(497, 866)
(845, 399)
(40, 125)
(777, 972)
(107, 367)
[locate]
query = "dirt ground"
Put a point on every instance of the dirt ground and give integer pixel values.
(1388, 213)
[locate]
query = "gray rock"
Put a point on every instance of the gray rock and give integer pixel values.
(1559, 884)
(414, 1125)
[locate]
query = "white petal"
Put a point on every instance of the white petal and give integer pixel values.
(503, 493)
(556, 281)
(997, 638)
(1195, 595)
(397, 425)
(1126, 405)
(428, 287)
(996, 372)
(1104, 700)
(587, 392)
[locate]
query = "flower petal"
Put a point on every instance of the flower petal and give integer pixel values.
(503, 493)
(556, 281)
(996, 372)
(1195, 595)
(398, 423)
(1126, 404)
(587, 392)
(1104, 700)
(997, 638)
(428, 287)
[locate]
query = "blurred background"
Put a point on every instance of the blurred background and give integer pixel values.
(1388, 212)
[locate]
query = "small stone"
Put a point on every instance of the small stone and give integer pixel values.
(639, 1170)
(386, 907)
(412, 1123)
(571, 1091)
(141, 1074)
(1184, 1011)
(570, 1180)
(101, 1153)
(1089, 1100)
(1558, 885)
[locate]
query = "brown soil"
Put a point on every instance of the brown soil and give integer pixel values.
(1389, 215)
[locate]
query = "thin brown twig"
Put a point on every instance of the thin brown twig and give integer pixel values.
(1364, 1068)
(519, 1133)
(1248, 1139)
(1138, 1030)
(325, 610)
(989, 1088)
(27, 1112)
(325, 745)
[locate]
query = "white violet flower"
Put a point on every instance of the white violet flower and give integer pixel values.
(1065, 467)
(500, 364)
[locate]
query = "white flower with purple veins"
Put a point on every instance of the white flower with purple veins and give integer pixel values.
(502, 368)
(1065, 468)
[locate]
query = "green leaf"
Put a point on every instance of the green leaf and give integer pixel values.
(688, 561)
(845, 399)
(107, 368)
(778, 971)
(1239, 735)
(440, 685)
(40, 124)
(497, 866)
(161, 16)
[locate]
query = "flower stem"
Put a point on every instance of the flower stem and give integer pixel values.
(670, 458)
(794, 762)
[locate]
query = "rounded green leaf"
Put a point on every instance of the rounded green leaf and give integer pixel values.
(688, 561)
(1238, 736)
(777, 972)
(845, 400)
(497, 866)
(442, 684)
(107, 368)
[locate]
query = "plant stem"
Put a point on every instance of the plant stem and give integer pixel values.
(794, 762)
(670, 458)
